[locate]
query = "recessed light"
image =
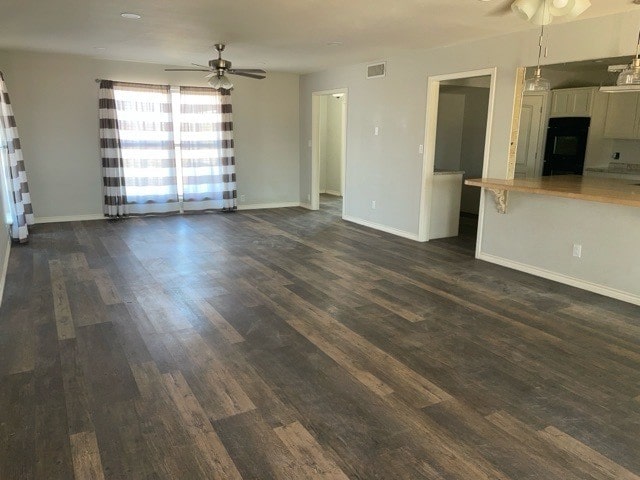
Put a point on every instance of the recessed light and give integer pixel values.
(334, 44)
(131, 16)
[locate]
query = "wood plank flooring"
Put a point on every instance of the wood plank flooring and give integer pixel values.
(288, 344)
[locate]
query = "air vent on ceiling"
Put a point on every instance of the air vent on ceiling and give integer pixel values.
(377, 70)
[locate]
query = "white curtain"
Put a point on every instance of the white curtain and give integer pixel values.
(207, 150)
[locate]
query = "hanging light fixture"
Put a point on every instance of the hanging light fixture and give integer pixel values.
(537, 83)
(631, 74)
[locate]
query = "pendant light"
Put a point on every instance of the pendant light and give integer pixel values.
(537, 83)
(631, 74)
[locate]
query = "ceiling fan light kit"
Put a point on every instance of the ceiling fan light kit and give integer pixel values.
(542, 12)
(542, 17)
(220, 82)
(559, 8)
(525, 8)
(579, 8)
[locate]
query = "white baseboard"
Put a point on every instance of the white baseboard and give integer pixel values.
(333, 192)
(80, 218)
(3, 269)
(260, 206)
(561, 278)
(70, 218)
(306, 205)
(383, 228)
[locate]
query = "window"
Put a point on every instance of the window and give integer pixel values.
(5, 187)
(166, 149)
(145, 129)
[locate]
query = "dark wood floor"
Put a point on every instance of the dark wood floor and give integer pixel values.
(290, 344)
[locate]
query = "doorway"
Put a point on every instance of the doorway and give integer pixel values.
(457, 140)
(328, 144)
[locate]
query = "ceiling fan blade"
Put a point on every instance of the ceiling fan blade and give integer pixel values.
(248, 73)
(198, 65)
(502, 9)
(249, 70)
(186, 70)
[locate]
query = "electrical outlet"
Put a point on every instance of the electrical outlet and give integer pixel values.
(373, 204)
(420, 149)
(376, 131)
(243, 198)
(577, 250)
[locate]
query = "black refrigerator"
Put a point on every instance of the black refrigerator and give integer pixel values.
(566, 146)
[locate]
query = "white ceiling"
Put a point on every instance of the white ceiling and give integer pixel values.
(283, 35)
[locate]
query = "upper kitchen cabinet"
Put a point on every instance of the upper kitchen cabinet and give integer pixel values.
(623, 117)
(572, 102)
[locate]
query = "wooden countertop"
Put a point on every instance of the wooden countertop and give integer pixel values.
(605, 190)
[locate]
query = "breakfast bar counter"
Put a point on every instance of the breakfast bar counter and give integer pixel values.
(604, 190)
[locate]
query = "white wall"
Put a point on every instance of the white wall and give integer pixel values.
(333, 146)
(391, 163)
(330, 144)
(322, 141)
(629, 151)
(461, 133)
(473, 143)
(451, 109)
(55, 103)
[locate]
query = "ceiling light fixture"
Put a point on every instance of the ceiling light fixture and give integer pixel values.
(537, 83)
(131, 16)
(542, 12)
(220, 81)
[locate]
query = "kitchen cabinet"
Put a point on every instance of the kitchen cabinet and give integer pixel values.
(623, 116)
(572, 102)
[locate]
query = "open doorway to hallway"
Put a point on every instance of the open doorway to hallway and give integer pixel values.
(329, 112)
(463, 105)
(458, 129)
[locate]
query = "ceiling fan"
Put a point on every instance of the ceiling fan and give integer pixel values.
(218, 68)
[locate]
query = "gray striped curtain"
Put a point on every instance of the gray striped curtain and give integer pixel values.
(137, 145)
(207, 150)
(113, 181)
(19, 200)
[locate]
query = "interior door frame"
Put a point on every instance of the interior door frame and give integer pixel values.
(428, 158)
(315, 146)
